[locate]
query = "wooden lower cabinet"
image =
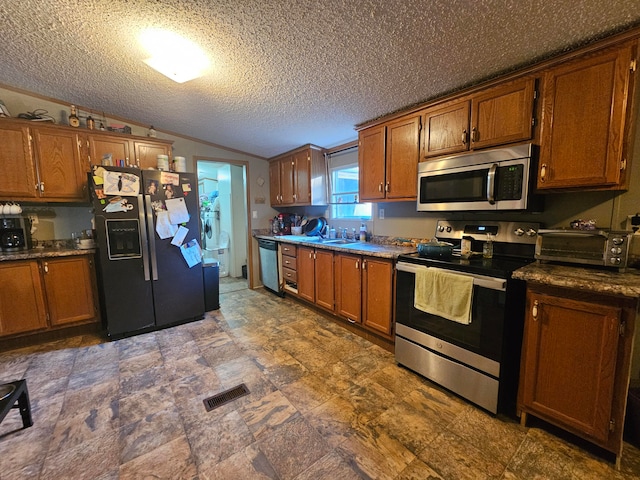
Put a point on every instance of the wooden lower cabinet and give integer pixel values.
(315, 276)
(364, 291)
(39, 295)
(22, 304)
(69, 287)
(576, 362)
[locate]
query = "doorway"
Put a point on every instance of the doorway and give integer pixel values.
(224, 221)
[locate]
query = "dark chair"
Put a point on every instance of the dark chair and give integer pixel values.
(16, 395)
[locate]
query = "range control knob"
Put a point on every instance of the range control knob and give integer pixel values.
(617, 240)
(531, 232)
(518, 232)
(440, 228)
(449, 229)
(614, 260)
(616, 250)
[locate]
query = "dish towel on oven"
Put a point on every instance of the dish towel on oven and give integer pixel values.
(446, 294)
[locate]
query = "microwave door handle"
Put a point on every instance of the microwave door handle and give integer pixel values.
(491, 184)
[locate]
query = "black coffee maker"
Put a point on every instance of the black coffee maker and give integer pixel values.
(13, 234)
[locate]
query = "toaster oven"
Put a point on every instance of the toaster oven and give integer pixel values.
(603, 248)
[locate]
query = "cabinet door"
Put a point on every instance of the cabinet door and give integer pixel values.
(403, 155)
(287, 181)
(569, 362)
(446, 129)
(61, 170)
(377, 294)
(584, 119)
(68, 284)
(324, 278)
(146, 153)
(349, 286)
(22, 307)
(18, 179)
(274, 182)
(302, 177)
(371, 163)
(306, 273)
(503, 114)
(118, 147)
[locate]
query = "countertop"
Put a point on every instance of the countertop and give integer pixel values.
(359, 248)
(608, 281)
(36, 253)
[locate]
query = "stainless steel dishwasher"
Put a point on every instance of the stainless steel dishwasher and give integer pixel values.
(269, 272)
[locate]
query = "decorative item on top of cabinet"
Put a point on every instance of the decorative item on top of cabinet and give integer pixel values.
(576, 359)
(494, 116)
(388, 157)
(585, 131)
(291, 175)
(41, 163)
(364, 291)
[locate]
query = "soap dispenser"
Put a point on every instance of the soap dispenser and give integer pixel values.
(363, 232)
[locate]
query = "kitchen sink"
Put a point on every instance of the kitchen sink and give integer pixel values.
(340, 241)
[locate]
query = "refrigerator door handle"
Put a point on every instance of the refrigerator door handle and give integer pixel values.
(152, 237)
(145, 245)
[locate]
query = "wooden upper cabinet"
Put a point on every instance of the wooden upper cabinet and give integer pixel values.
(274, 182)
(146, 153)
(371, 163)
(402, 158)
(446, 128)
(102, 145)
(69, 286)
(585, 121)
(388, 157)
(503, 114)
(290, 177)
(22, 307)
(62, 172)
(302, 177)
(140, 153)
(18, 179)
(494, 116)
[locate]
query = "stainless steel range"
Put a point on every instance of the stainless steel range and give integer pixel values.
(476, 356)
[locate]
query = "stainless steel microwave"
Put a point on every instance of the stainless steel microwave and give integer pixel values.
(496, 179)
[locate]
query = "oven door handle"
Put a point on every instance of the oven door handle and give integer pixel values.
(481, 281)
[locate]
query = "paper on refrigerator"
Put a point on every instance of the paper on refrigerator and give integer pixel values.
(177, 209)
(164, 227)
(191, 252)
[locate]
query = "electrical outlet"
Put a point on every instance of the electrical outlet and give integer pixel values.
(33, 218)
(381, 213)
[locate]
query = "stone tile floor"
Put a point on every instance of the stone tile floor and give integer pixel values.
(323, 404)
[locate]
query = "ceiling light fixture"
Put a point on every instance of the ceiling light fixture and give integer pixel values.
(174, 56)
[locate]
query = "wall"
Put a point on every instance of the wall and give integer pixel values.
(60, 221)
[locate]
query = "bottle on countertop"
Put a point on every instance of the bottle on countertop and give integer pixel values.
(332, 233)
(487, 247)
(74, 121)
(363, 232)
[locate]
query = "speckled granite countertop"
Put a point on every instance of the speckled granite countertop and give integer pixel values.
(359, 248)
(36, 253)
(610, 282)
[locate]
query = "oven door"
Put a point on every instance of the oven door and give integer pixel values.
(482, 337)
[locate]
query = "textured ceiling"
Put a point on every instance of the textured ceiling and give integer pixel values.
(284, 73)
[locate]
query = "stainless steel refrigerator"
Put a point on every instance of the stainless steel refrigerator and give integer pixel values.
(146, 281)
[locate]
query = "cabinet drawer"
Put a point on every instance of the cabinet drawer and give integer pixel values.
(289, 275)
(289, 262)
(290, 250)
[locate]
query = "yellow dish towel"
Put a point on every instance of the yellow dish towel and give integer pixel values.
(446, 294)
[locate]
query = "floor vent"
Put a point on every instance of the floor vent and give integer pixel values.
(225, 397)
